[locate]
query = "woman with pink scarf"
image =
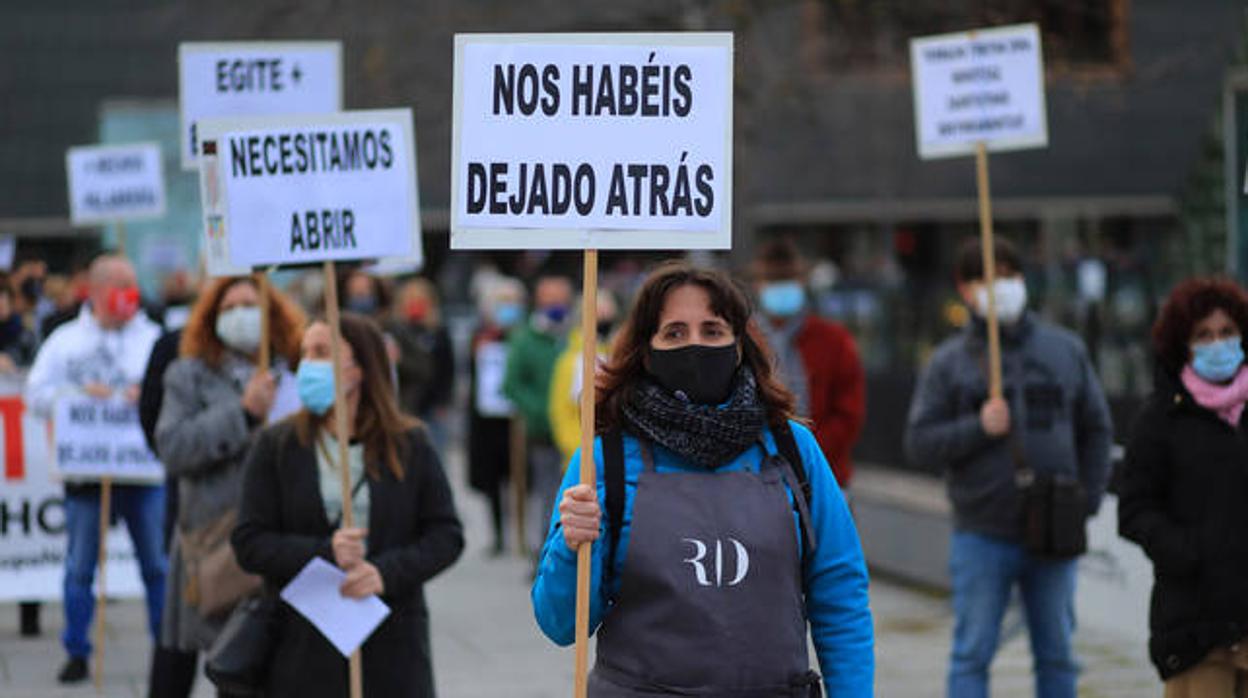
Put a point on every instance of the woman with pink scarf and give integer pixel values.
(1184, 494)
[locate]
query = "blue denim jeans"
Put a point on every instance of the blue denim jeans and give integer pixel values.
(984, 571)
(143, 510)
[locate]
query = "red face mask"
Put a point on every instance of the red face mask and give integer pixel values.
(122, 303)
(416, 310)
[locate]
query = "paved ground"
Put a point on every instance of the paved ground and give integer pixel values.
(486, 643)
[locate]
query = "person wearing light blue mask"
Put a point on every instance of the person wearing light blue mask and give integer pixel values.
(1183, 492)
(403, 528)
(818, 358)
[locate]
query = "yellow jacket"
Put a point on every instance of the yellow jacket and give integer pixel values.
(565, 398)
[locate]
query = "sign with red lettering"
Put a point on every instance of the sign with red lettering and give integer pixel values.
(32, 514)
(250, 78)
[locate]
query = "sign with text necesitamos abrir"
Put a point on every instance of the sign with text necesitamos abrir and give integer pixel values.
(605, 141)
(980, 86)
(95, 438)
(241, 78)
(110, 183)
(296, 190)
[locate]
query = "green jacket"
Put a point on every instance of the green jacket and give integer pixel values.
(531, 358)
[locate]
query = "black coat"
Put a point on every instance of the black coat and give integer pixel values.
(1184, 499)
(414, 534)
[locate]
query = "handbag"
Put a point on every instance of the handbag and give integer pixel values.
(1054, 510)
(214, 581)
(238, 661)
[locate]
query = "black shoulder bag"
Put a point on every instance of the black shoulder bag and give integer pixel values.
(1054, 506)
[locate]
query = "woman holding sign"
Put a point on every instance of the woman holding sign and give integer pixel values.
(726, 533)
(292, 502)
(215, 402)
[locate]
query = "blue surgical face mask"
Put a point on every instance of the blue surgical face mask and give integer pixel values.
(506, 315)
(315, 380)
(783, 298)
(1217, 362)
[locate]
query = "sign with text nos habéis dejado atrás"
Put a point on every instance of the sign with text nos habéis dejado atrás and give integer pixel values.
(592, 141)
(111, 183)
(95, 438)
(313, 188)
(984, 86)
(244, 78)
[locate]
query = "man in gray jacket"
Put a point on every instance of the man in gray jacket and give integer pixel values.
(1053, 417)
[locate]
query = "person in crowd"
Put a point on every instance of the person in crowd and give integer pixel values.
(1054, 421)
(406, 529)
(1184, 491)
(532, 349)
(17, 342)
(102, 353)
(215, 401)
(489, 412)
(67, 303)
(426, 363)
(698, 457)
(365, 294)
(818, 358)
(565, 384)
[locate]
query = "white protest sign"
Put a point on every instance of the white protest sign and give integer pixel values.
(252, 78)
(33, 538)
(313, 188)
(491, 366)
(109, 183)
(592, 141)
(96, 438)
(214, 245)
(980, 86)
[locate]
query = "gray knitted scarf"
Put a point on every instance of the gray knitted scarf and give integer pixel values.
(707, 435)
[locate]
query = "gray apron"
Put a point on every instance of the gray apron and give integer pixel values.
(710, 600)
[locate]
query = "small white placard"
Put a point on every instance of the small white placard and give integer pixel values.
(491, 366)
(8, 249)
(253, 78)
(345, 622)
(109, 183)
(578, 141)
(980, 86)
(96, 438)
(302, 189)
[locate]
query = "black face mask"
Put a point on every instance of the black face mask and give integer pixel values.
(699, 373)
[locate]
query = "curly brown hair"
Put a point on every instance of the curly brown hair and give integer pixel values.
(1190, 302)
(626, 368)
(199, 337)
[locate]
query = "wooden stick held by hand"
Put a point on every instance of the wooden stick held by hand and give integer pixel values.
(342, 434)
(990, 269)
(589, 360)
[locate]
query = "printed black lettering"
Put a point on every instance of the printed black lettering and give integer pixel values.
(370, 149)
(649, 90)
(582, 89)
(498, 188)
(659, 178)
(238, 158)
(516, 202)
(538, 197)
(638, 173)
(560, 189)
(476, 187)
(606, 94)
(706, 200)
(505, 89)
(351, 149)
(271, 161)
(683, 103)
(616, 198)
(550, 86)
(629, 99)
(253, 155)
(387, 154)
(583, 186)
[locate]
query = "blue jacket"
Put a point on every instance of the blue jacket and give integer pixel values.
(834, 576)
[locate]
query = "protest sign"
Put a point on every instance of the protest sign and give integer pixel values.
(592, 141)
(252, 78)
(33, 538)
(110, 183)
(294, 190)
(979, 86)
(101, 438)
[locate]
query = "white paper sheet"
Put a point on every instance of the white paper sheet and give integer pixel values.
(345, 622)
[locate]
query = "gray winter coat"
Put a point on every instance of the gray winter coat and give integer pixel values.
(1057, 410)
(202, 437)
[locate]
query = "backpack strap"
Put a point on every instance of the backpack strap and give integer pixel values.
(613, 478)
(795, 477)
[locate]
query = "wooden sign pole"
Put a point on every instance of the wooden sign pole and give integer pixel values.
(518, 450)
(106, 504)
(589, 360)
(342, 434)
(262, 352)
(990, 269)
